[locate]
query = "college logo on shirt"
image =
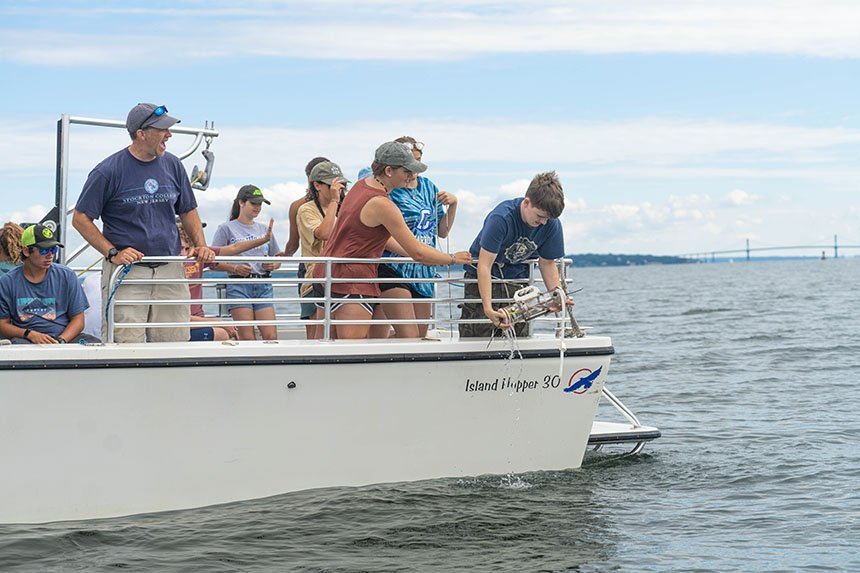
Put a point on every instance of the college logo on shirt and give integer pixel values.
(28, 307)
(151, 186)
(522, 249)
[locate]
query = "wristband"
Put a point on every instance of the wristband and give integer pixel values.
(27, 332)
(452, 261)
(61, 340)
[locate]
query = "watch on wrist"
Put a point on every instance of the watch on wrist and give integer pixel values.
(111, 254)
(27, 332)
(61, 340)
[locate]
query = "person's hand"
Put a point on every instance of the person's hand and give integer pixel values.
(41, 338)
(337, 186)
(126, 256)
(498, 318)
(232, 332)
(269, 230)
(446, 198)
(270, 266)
(243, 270)
(462, 258)
(203, 254)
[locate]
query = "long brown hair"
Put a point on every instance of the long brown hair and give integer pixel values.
(10, 241)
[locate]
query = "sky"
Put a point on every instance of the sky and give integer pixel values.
(675, 126)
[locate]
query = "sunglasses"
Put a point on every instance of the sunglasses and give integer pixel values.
(157, 112)
(417, 145)
(53, 250)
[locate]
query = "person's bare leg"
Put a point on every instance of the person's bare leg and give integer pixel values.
(244, 313)
(351, 312)
(268, 332)
(401, 311)
(383, 329)
(423, 310)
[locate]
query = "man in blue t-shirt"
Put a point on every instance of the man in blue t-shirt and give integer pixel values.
(515, 231)
(42, 302)
(137, 192)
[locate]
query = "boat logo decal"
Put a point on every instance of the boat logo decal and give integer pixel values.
(582, 380)
(151, 186)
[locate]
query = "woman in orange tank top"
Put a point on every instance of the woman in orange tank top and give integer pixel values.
(367, 219)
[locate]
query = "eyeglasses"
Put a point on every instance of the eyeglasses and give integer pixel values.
(417, 145)
(53, 250)
(157, 112)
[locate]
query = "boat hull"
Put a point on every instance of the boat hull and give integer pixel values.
(120, 430)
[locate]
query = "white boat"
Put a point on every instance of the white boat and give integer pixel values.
(109, 430)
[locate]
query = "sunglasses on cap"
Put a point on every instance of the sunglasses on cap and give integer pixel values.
(417, 145)
(157, 112)
(53, 250)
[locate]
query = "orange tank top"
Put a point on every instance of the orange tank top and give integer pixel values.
(353, 239)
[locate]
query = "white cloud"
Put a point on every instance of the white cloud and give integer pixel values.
(438, 31)
(739, 197)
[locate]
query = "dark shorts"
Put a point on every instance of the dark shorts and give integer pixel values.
(387, 272)
(202, 334)
(342, 299)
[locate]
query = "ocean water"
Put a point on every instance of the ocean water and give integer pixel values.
(752, 372)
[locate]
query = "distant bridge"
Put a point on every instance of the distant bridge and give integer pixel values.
(712, 255)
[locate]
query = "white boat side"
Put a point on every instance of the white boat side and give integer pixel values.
(113, 430)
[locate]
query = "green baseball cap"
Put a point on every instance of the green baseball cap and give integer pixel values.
(397, 154)
(39, 236)
(253, 194)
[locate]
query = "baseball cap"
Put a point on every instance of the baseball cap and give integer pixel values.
(253, 194)
(397, 154)
(39, 236)
(328, 172)
(145, 115)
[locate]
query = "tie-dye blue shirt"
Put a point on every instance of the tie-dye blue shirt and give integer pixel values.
(422, 213)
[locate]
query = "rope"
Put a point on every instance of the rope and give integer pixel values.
(124, 272)
(89, 268)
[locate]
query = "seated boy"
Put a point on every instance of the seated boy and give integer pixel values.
(513, 232)
(42, 302)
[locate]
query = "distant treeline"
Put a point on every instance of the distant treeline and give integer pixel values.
(611, 260)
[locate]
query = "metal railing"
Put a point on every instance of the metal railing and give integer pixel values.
(286, 277)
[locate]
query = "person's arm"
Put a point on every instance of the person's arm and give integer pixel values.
(551, 279)
(393, 246)
(84, 224)
(74, 328)
(293, 244)
(447, 222)
(382, 211)
(242, 246)
(9, 330)
(549, 273)
(324, 229)
(194, 229)
(485, 287)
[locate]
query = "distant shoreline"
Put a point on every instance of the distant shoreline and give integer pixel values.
(620, 260)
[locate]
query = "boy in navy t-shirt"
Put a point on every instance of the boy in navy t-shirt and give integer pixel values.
(42, 302)
(515, 231)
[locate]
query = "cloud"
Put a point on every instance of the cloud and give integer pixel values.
(431, 31)
(739, 197)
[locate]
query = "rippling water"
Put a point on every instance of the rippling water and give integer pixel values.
(751, 372)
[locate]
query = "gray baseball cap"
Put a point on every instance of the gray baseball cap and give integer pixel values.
(145, 115)
(327, 172)
(397, 154)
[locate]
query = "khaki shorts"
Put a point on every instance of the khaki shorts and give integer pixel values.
(147, 312)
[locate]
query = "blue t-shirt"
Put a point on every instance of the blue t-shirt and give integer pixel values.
(422, 214)
(506, 234)
(234, 232)
(138, 201)
(45, 307)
